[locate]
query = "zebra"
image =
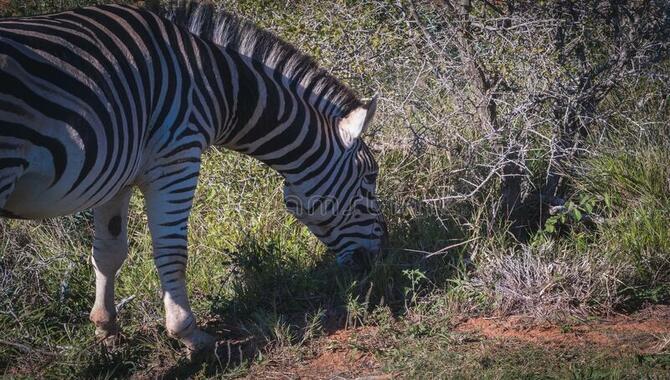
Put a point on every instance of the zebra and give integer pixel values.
(99, 100)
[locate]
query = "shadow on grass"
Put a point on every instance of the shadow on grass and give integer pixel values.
(107, 362)
(279, 295)
(281, 299)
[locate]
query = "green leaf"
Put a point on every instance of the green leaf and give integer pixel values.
(608, 201)
(589, 207)
(550, 225)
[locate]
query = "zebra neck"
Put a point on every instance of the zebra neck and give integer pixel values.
(277, 121)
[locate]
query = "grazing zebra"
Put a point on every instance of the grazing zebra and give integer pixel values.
(97, 100)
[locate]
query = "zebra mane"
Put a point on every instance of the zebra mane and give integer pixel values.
(227, 30)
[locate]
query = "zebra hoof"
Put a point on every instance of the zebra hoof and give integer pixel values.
(109, 340)
(108, 330)
(199, 345)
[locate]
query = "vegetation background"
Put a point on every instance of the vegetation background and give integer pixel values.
(525, 170)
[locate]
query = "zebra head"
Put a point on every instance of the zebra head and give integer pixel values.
(339, 203)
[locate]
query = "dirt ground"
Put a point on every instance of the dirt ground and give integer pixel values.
(337, 356)
(644, 332)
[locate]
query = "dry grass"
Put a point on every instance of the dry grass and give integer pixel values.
(549, 283)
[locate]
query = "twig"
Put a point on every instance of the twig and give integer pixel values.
(441, 250)
(445, 249)
(24, 349)
(123, 302)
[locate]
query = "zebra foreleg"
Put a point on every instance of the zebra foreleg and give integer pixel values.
(168, 204)
(110, 249)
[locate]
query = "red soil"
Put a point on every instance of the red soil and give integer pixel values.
(644, 332)
(335, 357)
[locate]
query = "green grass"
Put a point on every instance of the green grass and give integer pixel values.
(259, 279)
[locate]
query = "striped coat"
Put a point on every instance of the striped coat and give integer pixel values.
(98, 100)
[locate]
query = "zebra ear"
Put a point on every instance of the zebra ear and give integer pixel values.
(357, 122)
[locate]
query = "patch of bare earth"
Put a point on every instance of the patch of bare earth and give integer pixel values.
(337, 356)
(644, 332)
(348, 354)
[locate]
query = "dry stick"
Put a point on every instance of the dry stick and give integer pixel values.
(123, 302)
(445, 249)
(442, 250)
(24, 349)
